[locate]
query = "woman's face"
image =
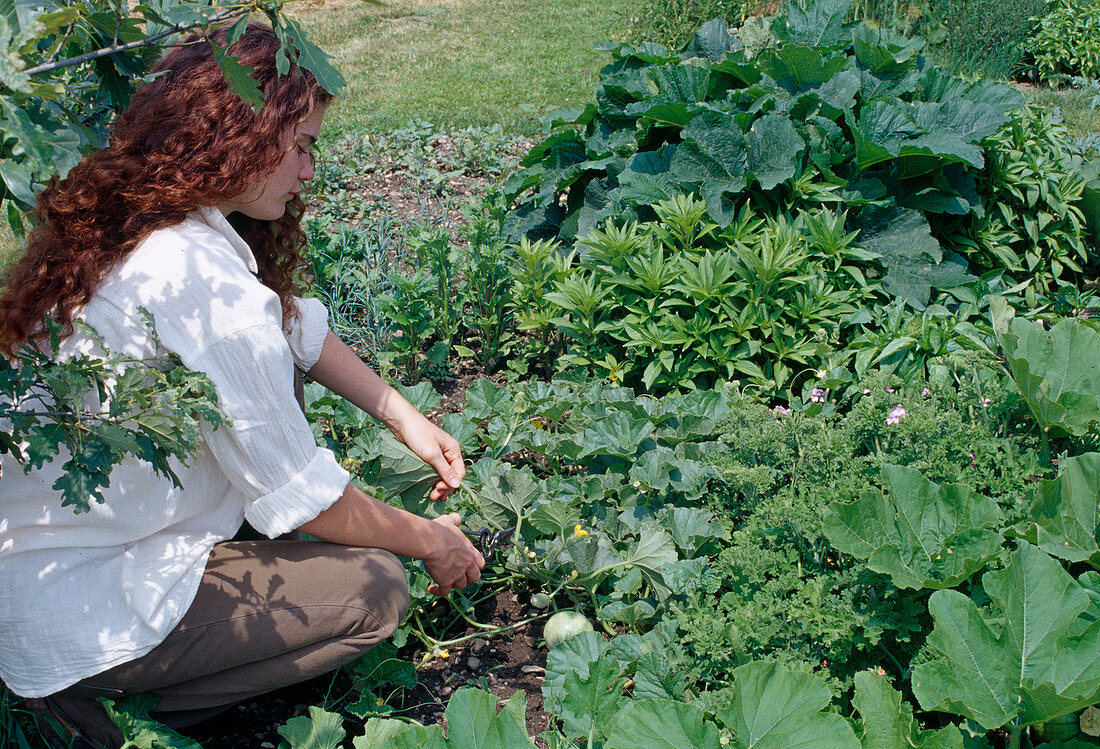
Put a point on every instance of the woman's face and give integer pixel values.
(267, 200)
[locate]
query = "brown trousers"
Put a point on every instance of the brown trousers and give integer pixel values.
(267, 614)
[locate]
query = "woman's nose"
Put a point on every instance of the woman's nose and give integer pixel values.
(305, 173)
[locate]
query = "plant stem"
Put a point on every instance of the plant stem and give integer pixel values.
(49, 67)
(1014, 737)
(431, 642)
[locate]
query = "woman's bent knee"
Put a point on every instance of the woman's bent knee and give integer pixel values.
(386, 589)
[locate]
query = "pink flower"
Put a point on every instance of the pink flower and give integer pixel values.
(984, 402)
(889, 390)
(780, 411)
(866, 391)
(897, 413)
(926, 392)
(817, 395)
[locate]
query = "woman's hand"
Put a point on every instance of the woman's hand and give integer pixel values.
(359, 520)
(454, 563)
(436, 448)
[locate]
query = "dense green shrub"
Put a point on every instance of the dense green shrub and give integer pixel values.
(1032, 191)
(673, 22)
(951, 191)
(673, 303)
(1068, 40)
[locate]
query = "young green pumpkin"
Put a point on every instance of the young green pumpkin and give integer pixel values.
(563, 625)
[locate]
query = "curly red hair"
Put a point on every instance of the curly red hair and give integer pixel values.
(185, 141)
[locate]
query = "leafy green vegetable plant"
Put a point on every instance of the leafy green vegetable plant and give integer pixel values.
(350, 269)
(673, 303)
(922, 535)
(1009, 666)
(1068, 40)
(486, 290)
(1031, 224)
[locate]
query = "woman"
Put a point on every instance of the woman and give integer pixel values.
(192, 212)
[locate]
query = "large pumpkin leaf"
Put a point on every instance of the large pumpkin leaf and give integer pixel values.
(797, 68)
(1057, 371)
(653, 550)
(674, 84)
(893, 128)
(473, 721)
(886, 720)
(1035, 658)
(574, 656)
(815, 23)
(776, 708)
(712, 41)
(661, 724)
(884, 52)
(401, 473)
(617, 435)
(508, 496)
(390, 733)
(588, 702)
(1065, 518)
(774, 149)
(649, 177)
(321, 730)
(922, 535)
(914, 261)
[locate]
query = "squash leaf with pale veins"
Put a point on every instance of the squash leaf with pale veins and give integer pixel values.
(1034, 657)
(777, 708)
(886, 720)
(1065, 518)
(1057, 371)
(922, 535)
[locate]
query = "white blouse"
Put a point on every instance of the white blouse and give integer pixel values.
(80, 594)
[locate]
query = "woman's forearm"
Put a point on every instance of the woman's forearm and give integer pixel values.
(344, 373)
(360, 520)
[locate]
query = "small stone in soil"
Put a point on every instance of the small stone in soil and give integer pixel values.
(473, 663)
(478, 645)
(532, 669)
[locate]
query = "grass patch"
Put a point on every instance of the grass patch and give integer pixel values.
(463, 62)
(1075, 104)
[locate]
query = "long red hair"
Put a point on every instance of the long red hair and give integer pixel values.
(185, 141)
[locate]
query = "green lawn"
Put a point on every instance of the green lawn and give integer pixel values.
(1078, 112)
(464, 62)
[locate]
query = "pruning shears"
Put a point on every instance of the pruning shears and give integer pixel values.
(488, 541)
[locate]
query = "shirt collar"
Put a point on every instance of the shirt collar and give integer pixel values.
(213, 218)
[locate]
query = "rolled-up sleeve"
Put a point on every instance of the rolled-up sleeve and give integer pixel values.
(268, 453)
(307, 333)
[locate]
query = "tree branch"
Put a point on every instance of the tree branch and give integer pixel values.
(49, 67)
